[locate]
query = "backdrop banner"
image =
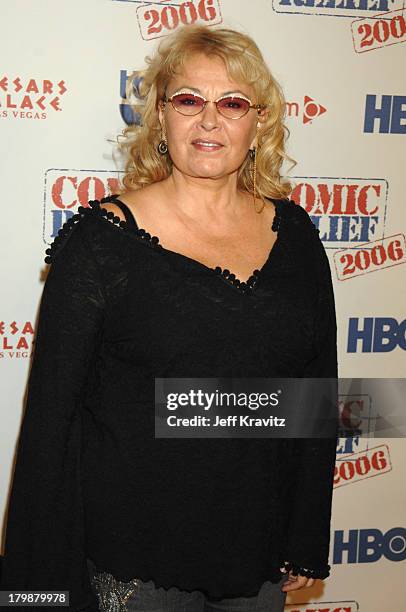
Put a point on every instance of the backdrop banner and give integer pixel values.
(69, 75)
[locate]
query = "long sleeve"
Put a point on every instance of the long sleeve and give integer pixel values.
(308, 538)
(45, 540)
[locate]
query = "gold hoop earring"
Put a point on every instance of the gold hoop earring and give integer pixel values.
(162, 146)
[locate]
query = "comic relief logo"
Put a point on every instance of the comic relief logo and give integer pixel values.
(351, 213)
(16, 339)
(355, 459)
(66, 190)
(29, 98)
(157, 19)
(355, 467)
(376, 335)
(369, 545)
(378, 31)
(338, 8)
(370, 257)
(346, 211)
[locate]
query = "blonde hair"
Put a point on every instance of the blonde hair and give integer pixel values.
(245, 64)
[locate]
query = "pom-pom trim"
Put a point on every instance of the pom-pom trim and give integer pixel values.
(297, 569)
(152, 241)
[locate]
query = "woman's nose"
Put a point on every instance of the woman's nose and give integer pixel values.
(210, 115)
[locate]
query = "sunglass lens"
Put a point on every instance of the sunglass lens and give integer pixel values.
(188, 104)
(233, 107)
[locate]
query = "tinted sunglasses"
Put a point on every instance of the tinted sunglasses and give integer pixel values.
(232, 107)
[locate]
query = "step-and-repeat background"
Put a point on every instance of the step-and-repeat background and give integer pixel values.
(68, 75)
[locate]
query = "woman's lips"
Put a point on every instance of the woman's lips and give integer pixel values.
(207, 147)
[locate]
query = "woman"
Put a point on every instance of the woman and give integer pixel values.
(191, 276)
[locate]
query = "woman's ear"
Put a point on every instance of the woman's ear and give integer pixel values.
(263, 115)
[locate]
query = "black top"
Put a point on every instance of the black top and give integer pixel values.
(91, 481)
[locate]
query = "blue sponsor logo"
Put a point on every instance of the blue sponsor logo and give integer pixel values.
(369, 545)
(375, 334)
(130, 95)
(385, 114)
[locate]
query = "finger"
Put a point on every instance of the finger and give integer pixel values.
(310, 582)
(296, 582)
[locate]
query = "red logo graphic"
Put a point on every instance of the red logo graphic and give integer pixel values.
(371, 256)
(379, 31)
(157, 19)
(16, 339)
(359, 466)
(311, 109)
(29, 98)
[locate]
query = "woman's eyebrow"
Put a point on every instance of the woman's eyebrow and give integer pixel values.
(226, 93)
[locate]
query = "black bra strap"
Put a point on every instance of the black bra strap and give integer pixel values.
(129, 217)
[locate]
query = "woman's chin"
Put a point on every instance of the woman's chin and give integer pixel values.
(205, 170)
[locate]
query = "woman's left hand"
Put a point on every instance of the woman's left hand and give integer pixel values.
(294, 583)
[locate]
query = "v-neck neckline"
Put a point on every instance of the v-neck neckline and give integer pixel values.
(225, 274)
